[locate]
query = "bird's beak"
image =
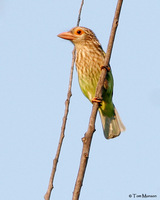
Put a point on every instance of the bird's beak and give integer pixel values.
(66, 36)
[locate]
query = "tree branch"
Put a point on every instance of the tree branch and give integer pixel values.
(80, 11)
(91, 128)
(67, 102)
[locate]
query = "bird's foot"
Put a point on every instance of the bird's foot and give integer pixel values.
(108, 68)
(96, 99)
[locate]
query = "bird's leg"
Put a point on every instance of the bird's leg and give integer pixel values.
(108, 68)
(96, 99)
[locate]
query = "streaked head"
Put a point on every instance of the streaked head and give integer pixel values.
(79, 35)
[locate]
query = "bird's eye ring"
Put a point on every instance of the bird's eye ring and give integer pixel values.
(79, 32)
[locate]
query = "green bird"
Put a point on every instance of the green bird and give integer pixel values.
(89, 61)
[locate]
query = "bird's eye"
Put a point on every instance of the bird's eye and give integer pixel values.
(79, 32)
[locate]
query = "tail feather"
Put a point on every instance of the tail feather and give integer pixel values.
(112, 126)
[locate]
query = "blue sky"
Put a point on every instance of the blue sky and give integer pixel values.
(34, 76)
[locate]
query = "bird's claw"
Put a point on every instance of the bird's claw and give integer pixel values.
(108, 68)
(96, 99)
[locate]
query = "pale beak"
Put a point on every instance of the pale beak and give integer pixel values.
(66, 36)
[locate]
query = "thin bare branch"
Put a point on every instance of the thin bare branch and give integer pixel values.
(67, 102)
(91, 128)
(80, 11)
(55, 161)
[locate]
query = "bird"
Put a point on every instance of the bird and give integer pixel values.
(89, 62)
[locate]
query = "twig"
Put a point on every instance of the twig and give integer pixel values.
(91, 128)
(67, 102)
(79, 15)
(55, 161)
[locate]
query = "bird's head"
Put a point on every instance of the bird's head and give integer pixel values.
(79, 36)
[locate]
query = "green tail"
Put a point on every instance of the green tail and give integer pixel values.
(112, 126)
